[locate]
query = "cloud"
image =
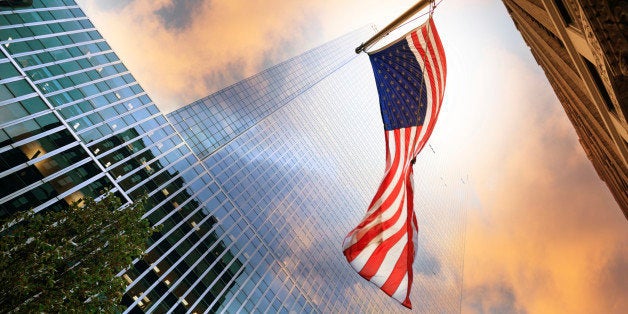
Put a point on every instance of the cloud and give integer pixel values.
(182, 50)
(113, 5)
(189, 49)
(179, 14)
(497, 298)
(549, 237)
(426, 262)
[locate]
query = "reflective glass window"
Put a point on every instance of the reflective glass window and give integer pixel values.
(7, 70)
(20, 109)
(31, 127)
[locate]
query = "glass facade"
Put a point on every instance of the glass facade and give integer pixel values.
(255, 186)
(300, 157)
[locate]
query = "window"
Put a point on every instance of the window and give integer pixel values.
(597, 79)
(564, 12)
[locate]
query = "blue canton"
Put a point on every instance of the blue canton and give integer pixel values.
(400, 85)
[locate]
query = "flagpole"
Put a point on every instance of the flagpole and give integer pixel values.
(394, 24)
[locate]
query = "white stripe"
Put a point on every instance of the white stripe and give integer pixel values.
(389, 262)
(415, 228)
(392, 256)
(430, 63)
(436, 68)
(402, 290)
(390, 135)
(405, 155)
(428, 112)
(397, 171)
(424, 65)
(415, 141)
(439, 63)
(390, 212)
(359, 261)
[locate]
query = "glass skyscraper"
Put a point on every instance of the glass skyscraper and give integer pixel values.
(255, 186)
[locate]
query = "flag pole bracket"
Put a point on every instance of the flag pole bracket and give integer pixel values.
(393, 25)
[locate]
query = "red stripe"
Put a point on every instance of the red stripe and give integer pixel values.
(366, 236)
(375, 260)
(365, 239)
(432, 61)
(388, 179)
(410, 233)
(389, 175)
(394, 280)
(441, 50)
(428, 69)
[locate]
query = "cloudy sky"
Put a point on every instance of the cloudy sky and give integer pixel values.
(548, 237)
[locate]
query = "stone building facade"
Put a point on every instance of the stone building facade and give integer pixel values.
(582, 47)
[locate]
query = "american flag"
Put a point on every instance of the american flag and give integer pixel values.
(410, 75)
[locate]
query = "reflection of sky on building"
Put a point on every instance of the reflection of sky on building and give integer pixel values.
(212, 121)
(302, 178)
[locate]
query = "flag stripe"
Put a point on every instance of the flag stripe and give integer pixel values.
(369, 226)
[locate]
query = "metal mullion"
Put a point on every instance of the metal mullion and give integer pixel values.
(260, 166)
(126, 159)
(250, 140)
(121, 130)
(74, 102)
(34, 52)
(221, 293)
(219, 257)
(172, 248)
(235, 208)
(113, 149)
(38, 159)
(152, 176)
(57, 62)
(193, 212)
(170, 197)
(283, 302)
(26, 118)
(161, 239)
(176, 283)
(41, 181)
(66, 170)
(11, 79)
(265, 292)
(30, 139)
(45, 22)
(28, 10)
(48, 79)
(233, 279)
(86, 84)
(19, 40)
(64, 123)
(252, 149)
(93, 126)
(16, 99)
(261, 177)
(249, 278)
(117, 102)
(70, 191)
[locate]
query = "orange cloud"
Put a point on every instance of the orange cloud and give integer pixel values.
(184, 50)
(549, 238)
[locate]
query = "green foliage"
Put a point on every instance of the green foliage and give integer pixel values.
(67, 261)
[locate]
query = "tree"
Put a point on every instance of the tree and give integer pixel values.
(67, 261)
